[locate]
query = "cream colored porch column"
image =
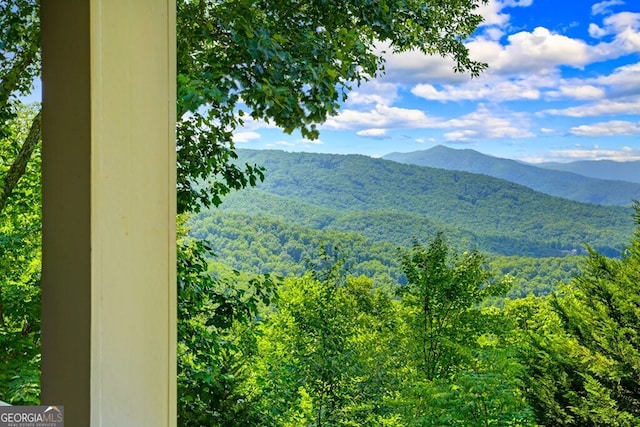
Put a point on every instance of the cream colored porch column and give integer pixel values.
(109, 303)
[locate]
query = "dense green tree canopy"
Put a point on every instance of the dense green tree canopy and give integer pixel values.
(582, 347)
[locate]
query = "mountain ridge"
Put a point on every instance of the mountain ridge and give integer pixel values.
(321, 190)
(558, 183)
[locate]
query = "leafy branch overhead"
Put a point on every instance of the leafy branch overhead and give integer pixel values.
(290, 64)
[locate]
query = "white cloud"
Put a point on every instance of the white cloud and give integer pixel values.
(241, 137)
(382, 116)
(623, 81)
(623, 154)
(577, 91)
(493, 34)
(547, 130)
(299, 143)
(596, 31)
(531, 51)
(486, 123)
(610, 128)
(603, 7)
(375, 133)
(485, 88)
(493, 14)
(603, 108)
(415, 67)
(373, 92)
(462, 135)
(542, 49)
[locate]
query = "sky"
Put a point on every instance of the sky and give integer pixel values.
(563, 84)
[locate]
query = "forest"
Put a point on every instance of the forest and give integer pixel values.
(345, 299)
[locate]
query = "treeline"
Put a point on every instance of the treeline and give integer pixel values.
(327, 348)
(256, 244)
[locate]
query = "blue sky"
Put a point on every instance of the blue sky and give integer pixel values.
(563, 84)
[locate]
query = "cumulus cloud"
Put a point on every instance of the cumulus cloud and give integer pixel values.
(610, 128)
(602, 108)
(479, 89)
(528, 51)
(603, 7)
(382, 116)
(373, 92)
(486, 123)
(623, 81)
(297, 143)
(375, 133)
(413, 67)
(492, 12)
(577, 91)
(241, 137)
(596, 31)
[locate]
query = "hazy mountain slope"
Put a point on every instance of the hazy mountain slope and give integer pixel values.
(318, 190)
(553, 182)
(601, 169)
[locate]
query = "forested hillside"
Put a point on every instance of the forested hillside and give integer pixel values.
(398, 203)
(603, 187)
(369, 208)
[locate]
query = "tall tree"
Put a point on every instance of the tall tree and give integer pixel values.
(583, 347)
(20, 256)
(19, 66)
(442, 293)
(323, 352)
(459, 370)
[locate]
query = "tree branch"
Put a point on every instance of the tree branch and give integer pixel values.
(19, 165)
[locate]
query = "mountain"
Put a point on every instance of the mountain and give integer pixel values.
(601, 169)
(553, 182)
(388, 201)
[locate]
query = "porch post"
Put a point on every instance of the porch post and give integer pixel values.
(109, 285)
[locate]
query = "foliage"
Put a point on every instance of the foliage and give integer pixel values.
(582, 351)
(441, 296)
(323, 355)
(459, 370)
(19, 56)
(20, 222)
(20, 258)
(258, 244)
(216, 318)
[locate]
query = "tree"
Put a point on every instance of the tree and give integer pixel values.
(19, 66)
(20, 257)
(459, 370)
(583, 352)
(323, 353)
(216, 321)
(441, 296)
